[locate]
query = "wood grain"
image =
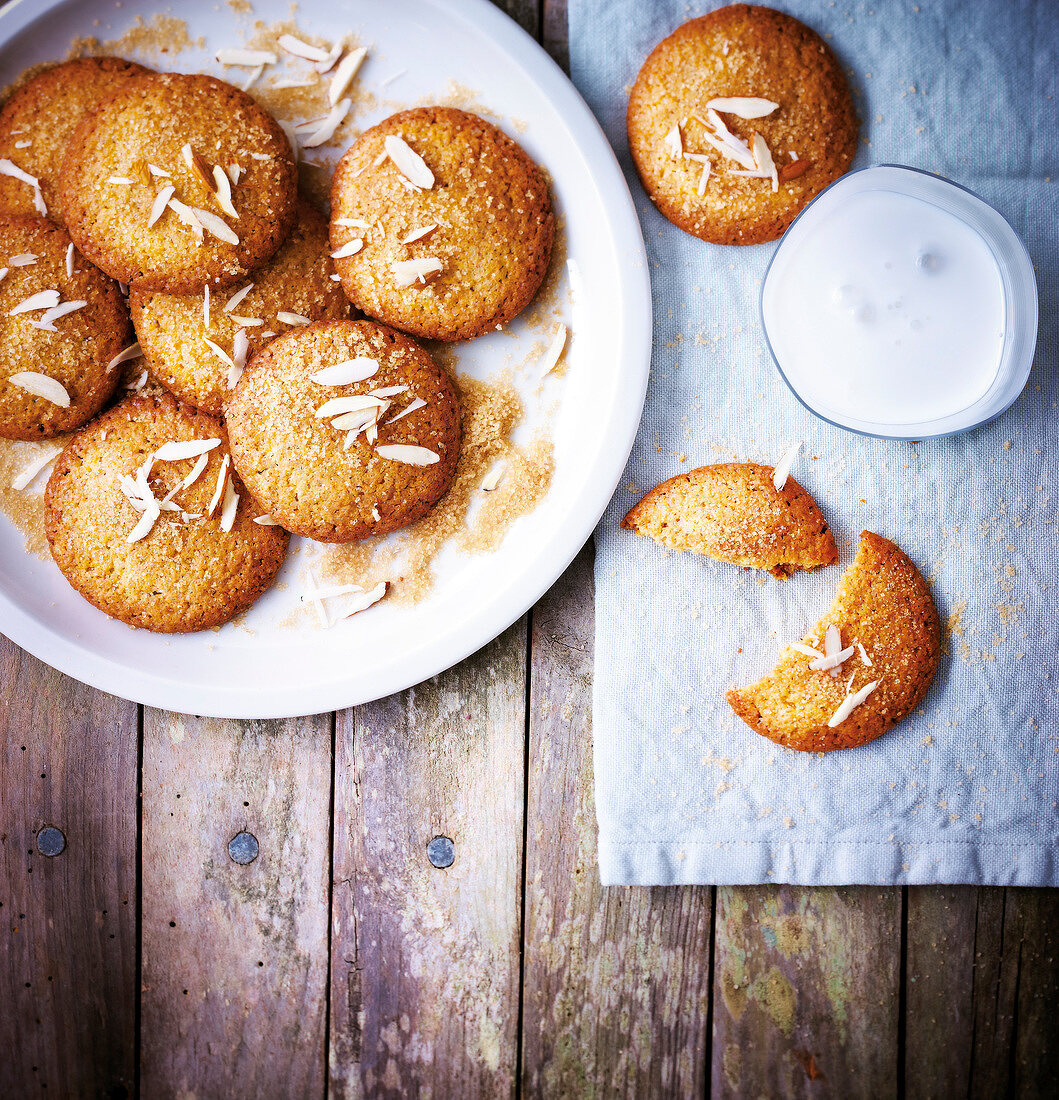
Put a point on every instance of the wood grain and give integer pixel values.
(806, 991)
(616, 981)
(235, 957)
(425, 961)
(68, 758)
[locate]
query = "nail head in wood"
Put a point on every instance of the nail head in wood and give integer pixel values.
(50, 841)
(441, 852)
(243, 848)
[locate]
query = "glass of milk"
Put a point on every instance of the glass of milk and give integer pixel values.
(901, 305)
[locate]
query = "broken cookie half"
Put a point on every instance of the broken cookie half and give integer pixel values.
(865, 666)
(734, 512)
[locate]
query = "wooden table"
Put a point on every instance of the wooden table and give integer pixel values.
(402, 900)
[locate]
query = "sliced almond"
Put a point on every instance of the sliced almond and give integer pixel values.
(865, 659)
(345, 374)
(362, 603)
(408, 454)
(824, 663)
(156, 171)
(408, 162)
(43, 299)
(764, 161)
(355, 223)
(674, 142)
(493, 478)
(552, 354)
(28, 472)
(246, 322)
(235, 173)
(732, 152)
(783, 467)
(196, 472)
(704, 178)
(70, 260)
(121, 181)
(301, 49)
(223, 191)
(353, 403)
(247, 59)
(850, 704)
(350, 248)
(344, 74)
(215, 226)
(145, 524)
(419, 234)
(408, 272)
(832, 644)
(221, 354)
(161, 201)
(51, 315)
(293, 318)
(743, 106)
(23, 259)
(206, 307)
(388, 391)
(328, 125)
(38, 203)
(265, 521)
(9, 168)
(41, 385)
(137, 384)
(411, 407)
(124, 356)
(228, 509)
(808, 650)
(178, 451)
(218, 492)
(185, 213)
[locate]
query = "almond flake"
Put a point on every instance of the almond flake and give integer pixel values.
(301, 49)
(375, 513)
(41, 385)
(218, 492)
(43, 299)
(197, 164)
(137, 384)
(732, 152)
(240, 350)
(408, 162)
(246, 322)
(223, 191)
(493, 478)
(206, 307)
(313, 593)
(783, 467)
(743, 106)
(292, 318)
(156, 171)
(3, 273)
(419, 234)
(832, 644)
(850, 703)
(352, 403)
(865, 659)
(806, 649)
(9, 168)
(418, 403)
(704, 178)
(252, 79)
(357, 423)
(794, 155)
(280, 85)
(396, 76)
(752, 174)
(23, 259)
(265, 521)
(178, 451)
(38, 203)
(56, 312)
(292, 138)
(407, 272)
(350, 248)
(674, 143)
(131, 352)
(356, 223)
(359, 419)
(344, 74)
(832, 661)
(196, 472)
(247, 59)
(122, 181)
(161, 201)
(345, 374)
(235, 173)
(215, 226)
(70, 260)
(408, 454)
(329, 591)
(362, 603)
(28, 472)
(329, 125)
(550, 358)
(328, 63)
(23, 144)
(764, 160)
(228, 509)
(221, 354)
(185, 213)
(388, 391)
(146, 522)
(237, 297)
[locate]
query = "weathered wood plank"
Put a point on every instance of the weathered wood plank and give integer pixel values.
(616, 981)
(1034, 914)
(525, 12)
(806, 990)
(68, 759)
(424, 989)
(555, 32)
(235, 955)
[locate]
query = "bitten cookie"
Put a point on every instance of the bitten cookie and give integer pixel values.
(173, 330)
(737, 120)
(733, 512)
(884, 645)
(62, 322)
(37, 121)
(441, 225)
(176, 181)
(345, 429)
(147, 520)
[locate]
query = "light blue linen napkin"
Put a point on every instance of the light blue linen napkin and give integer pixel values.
(966, 789)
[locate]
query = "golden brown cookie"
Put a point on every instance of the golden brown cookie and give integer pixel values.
(690, 149)
(456, 224)
(196, 563)
(62, 321)
(295, 283)
(37, 120)
(336, 459)
(153, 175)
(733, 512)
(889, 637)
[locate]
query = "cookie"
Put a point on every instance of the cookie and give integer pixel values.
(733, 512)
(177, 181)
(62, 322)
(887, 637)
(196, 563)
(36, 123)
(295, 283)
(741, 90)
(455, 221)
(345, 429)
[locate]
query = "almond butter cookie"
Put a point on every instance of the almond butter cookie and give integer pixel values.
(345, 429)
(198, 344)
(147, 519)
(441, 225)
(36, 124)
(62, 322)
(733, 512)
(866, 665)
(176, 181)
(737, 120)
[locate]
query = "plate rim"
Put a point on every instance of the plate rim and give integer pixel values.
(144, 685)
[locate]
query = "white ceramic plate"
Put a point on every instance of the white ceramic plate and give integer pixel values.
(260, 668)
